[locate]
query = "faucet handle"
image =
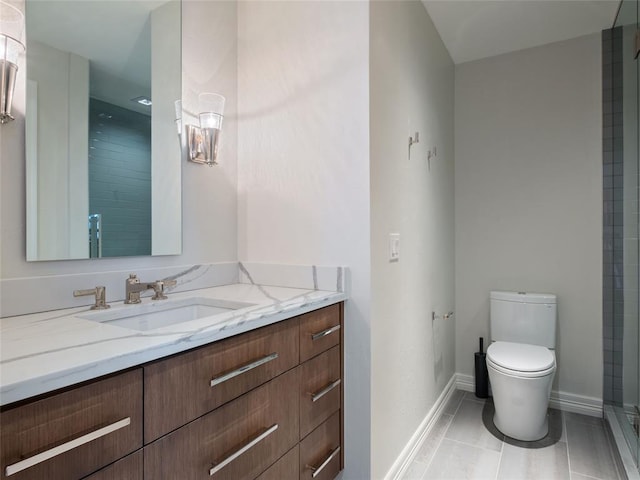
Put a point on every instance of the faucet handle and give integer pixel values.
(100, 294)
(158, 288)
(131, 292)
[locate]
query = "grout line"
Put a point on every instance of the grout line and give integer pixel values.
(477, 446)
(500, 459)
(443, 436)
(566, 435)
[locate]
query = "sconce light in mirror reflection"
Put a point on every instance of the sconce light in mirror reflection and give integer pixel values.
(11, 26)
(203, 140)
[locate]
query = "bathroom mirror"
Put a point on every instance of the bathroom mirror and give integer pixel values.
(103, 156)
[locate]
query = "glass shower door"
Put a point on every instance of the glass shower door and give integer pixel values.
(625, 387)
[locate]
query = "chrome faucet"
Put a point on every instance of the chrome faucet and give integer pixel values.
(100, 294)
(133, 288)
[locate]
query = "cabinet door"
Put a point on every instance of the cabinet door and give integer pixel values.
(320, 452)
(287, 468)
(320, 389)
(319, 331)
(236, 441)
(129, 468)
(74, 433)
(182, 388)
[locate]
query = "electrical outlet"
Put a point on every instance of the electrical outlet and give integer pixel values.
(394, 247)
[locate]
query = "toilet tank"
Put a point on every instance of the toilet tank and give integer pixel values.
(524, 318)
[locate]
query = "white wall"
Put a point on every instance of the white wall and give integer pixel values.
(411, 84)
(208, 194)
(528, 179)
(303, 164)
(60, 120)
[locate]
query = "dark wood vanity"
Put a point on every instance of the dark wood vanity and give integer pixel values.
(266, 404)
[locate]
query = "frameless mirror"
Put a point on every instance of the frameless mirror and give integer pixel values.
(103, 155)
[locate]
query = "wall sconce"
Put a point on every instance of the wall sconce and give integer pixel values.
(10, 50)
(203, 141)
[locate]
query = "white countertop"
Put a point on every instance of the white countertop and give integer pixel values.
(42, 352)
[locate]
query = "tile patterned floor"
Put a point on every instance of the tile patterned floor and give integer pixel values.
(464, 444)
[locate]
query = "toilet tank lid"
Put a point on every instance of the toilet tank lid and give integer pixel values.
(523, 297)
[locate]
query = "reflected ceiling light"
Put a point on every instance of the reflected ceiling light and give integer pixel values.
(11, 24)
(142, 100)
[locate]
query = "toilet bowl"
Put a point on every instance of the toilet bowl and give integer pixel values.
(521, 376)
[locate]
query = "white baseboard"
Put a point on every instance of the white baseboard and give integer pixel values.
(567, 402)
(576, 403)
(410, 450)
(465, 382)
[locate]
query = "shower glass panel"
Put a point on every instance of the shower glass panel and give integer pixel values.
(621, 224)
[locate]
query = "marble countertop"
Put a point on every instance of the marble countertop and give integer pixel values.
(42, 352)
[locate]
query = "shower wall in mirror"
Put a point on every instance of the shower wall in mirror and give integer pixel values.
(621, 281)
(103, 156)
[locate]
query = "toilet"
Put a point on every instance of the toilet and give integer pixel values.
(521, 362)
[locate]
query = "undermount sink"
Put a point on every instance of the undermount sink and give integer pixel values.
(164, 313)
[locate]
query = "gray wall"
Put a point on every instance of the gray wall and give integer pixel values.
(528, 179)
(120, 178)
(411, 90)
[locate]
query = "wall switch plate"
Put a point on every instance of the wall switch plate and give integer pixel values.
(394, 247)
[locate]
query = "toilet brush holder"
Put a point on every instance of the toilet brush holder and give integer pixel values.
(482, 375)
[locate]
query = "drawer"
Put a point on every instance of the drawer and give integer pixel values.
(129, 468)
(284, 469)
(319, 331)
(179, 389)
(320, 385)
(236, 441)
(74, 433)
(320, 452)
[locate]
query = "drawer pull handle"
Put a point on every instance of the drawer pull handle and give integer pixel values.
(65, 447)
(324, 333)
(243, 369)
(316, 470)
(322, 392)
(219, 466)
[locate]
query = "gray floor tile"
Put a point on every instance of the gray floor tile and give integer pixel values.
(589, 452)
(472, 396)
(548, 463)
(579, 476)
(468, 426)
(458, 461)
(415, 471)
(454, 402)
(428, 448)
(576, 417)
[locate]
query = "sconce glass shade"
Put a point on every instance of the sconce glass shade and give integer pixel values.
(10, 50)
(204, 140)
(11, 30)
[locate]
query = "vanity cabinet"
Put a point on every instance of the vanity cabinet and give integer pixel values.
(188, 385)
(238, 440)
(73, 433)
(264, 405)
(130, 467)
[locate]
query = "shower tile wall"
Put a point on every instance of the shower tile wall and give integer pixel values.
(120, 178)
(613, 201)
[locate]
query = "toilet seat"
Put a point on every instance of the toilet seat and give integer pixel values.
(521, 359)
